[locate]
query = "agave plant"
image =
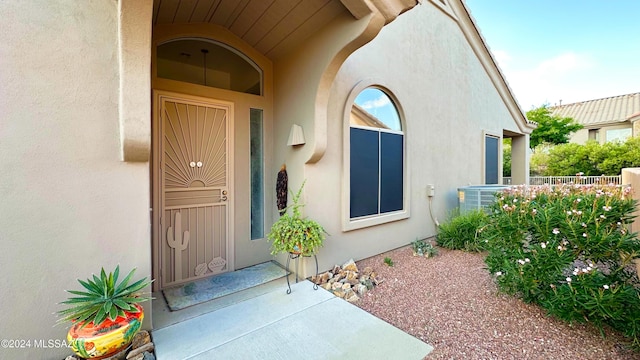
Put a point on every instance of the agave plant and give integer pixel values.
(105, 298)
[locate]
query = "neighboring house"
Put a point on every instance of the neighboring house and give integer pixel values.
(614, 118)
(126, 123)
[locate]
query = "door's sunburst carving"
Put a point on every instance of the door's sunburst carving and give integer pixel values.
(195, 145)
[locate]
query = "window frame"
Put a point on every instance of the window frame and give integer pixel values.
(349, 223)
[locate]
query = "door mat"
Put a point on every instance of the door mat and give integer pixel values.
(199, 291)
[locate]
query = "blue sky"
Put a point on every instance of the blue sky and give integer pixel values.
(569, 50)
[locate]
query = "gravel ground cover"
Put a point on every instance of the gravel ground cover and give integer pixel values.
(450, 302)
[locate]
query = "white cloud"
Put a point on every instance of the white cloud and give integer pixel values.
(502, 57)
(563, 63)
(376, 103)
(567, 77)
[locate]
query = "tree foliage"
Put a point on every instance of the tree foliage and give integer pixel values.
(591, 159)
(551, 129)
(506, 157)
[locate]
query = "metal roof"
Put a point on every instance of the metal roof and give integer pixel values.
(609, 110)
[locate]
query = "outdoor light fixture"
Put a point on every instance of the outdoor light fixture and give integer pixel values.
(296, 136)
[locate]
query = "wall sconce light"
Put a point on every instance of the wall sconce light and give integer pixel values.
(296, 136)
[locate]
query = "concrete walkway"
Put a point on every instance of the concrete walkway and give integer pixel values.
(307, 324)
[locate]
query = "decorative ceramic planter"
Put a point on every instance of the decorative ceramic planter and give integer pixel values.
(96, 342)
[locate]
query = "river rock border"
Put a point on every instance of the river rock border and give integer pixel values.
(347, 281)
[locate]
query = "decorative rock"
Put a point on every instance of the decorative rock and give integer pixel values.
(325, 277)
(346, 282)
(141, 338)
(144, 356)
(361, 289)
(352, 277)
(146, 347)
(139, 356)
(350, 266)
(121, 355)
(71, 357)
(352, 297)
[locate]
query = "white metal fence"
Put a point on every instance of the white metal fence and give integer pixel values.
(551, 180)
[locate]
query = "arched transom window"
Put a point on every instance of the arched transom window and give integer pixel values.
(208, 63)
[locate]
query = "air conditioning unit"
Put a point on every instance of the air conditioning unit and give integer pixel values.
(477, 197)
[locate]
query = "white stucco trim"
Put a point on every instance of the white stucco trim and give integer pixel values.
(444, 6)
(349, 224)
(134, 102)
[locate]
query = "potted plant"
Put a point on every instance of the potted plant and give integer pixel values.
(294, 234)
(106, 315)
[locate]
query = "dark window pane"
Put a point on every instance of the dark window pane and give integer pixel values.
(391, 175)
(364, 172)
(491, 160)
(257, 175)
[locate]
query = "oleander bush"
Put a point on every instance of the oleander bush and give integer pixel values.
(568, 249)
(463, 231)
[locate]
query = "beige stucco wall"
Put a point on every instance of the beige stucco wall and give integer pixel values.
(69, 205)
(582, 136)
(449, 104)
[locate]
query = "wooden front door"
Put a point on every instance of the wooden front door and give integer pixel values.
(194, 199)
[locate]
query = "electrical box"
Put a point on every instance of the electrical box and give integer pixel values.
(431, 190)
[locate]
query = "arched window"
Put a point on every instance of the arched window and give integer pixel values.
(208, 63)
(376, 139)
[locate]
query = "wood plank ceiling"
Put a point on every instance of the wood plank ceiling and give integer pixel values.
(271, 26)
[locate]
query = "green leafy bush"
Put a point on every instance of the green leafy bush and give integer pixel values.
(463, 232)
(568, 249)
(591, 159)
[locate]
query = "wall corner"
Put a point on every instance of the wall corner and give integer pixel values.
(134, 99)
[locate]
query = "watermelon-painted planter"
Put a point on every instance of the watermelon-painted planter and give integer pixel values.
(97, 342)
